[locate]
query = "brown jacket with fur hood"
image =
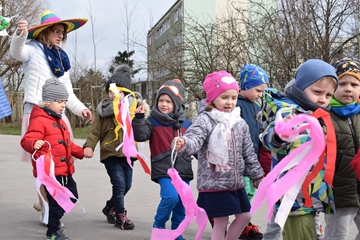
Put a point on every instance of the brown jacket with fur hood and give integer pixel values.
(103, 131)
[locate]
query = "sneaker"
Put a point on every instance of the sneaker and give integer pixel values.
(320, 234)
(59, 235)
(251, 232)
(123, 222)
(110, 214)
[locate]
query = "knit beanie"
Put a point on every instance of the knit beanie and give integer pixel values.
(348, 66)
(176, 91)
(54, 90)
(121, 77)
(218, 82)
(311, 71)
(252, 76)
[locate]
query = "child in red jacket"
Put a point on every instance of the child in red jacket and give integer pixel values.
(46, 125)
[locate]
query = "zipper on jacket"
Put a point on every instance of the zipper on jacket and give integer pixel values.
(235, 159)
(356, 144)
(256, 131)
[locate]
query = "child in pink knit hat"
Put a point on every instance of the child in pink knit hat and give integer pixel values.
(222, 140)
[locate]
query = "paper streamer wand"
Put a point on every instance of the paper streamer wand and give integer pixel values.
(191, 208)
(124, 120)
(45, 168)
(300, 161)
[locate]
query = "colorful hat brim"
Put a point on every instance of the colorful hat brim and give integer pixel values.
(72, 24)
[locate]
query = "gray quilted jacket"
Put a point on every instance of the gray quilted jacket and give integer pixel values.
(208, 179)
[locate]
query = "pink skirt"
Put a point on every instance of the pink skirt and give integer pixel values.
(25, 156)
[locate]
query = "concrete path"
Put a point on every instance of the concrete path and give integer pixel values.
(18, 220)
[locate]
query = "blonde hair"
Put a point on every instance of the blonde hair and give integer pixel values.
(43, 36)
(42, 104)
(329, 80)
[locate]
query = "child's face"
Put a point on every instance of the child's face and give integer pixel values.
(320, 92)
(57, 106)
(112, 95)
(348, 90)
(165, 104)
(227, 100)
(254, 93)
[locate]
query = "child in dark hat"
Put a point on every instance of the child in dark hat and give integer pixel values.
(345, 116)
(166, 122)
(46, 124)
(119, 171)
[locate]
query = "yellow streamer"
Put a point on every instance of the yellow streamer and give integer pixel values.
(116, 108)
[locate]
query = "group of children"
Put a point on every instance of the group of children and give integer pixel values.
(229, 144)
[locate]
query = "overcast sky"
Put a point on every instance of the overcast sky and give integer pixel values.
(108, 15)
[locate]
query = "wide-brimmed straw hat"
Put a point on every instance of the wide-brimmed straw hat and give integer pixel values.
(48, 19)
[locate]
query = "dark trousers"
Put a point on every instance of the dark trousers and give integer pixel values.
(55, 211)
(120, 174)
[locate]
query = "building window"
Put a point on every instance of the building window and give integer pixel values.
(163, 48)
(160, 31)
(167, 24)
(150, 40)
(178, 14)
(178, 39)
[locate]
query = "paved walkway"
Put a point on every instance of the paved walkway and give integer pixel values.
(18, 220)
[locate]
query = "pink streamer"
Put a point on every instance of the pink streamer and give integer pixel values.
(191, 209)
(129, 148)
(272, 190)
(61, 194)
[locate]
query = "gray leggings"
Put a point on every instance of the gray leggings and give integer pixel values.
(338, 225)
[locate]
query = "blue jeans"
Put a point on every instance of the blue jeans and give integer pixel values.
(120, 174)
(170, 203)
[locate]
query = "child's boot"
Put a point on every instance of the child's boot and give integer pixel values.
(110, 214)
(251, 232)
(123, 222)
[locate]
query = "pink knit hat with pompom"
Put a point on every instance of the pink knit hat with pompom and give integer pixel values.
(218, 82)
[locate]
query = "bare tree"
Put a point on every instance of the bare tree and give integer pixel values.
(285, 33)
(205, 48)
(96, 38)
(30, 10)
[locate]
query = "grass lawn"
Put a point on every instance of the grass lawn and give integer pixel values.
(9, 129)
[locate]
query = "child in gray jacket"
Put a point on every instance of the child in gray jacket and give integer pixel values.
(222, 140)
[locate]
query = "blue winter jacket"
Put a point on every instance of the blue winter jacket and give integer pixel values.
(248, 112)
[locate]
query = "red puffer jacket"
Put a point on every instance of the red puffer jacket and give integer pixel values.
(54, 130)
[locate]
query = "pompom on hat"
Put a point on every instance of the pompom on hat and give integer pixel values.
(121, 77)
(348, 66)
(218, 82)
(48, 19)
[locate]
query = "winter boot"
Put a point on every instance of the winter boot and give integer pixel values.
(251, 232)
(123, 222)
(110, 214)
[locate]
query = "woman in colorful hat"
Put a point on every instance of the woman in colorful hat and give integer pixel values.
(42, 59)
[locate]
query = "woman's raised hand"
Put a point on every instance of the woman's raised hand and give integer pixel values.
(22, 26)
(87, 114)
